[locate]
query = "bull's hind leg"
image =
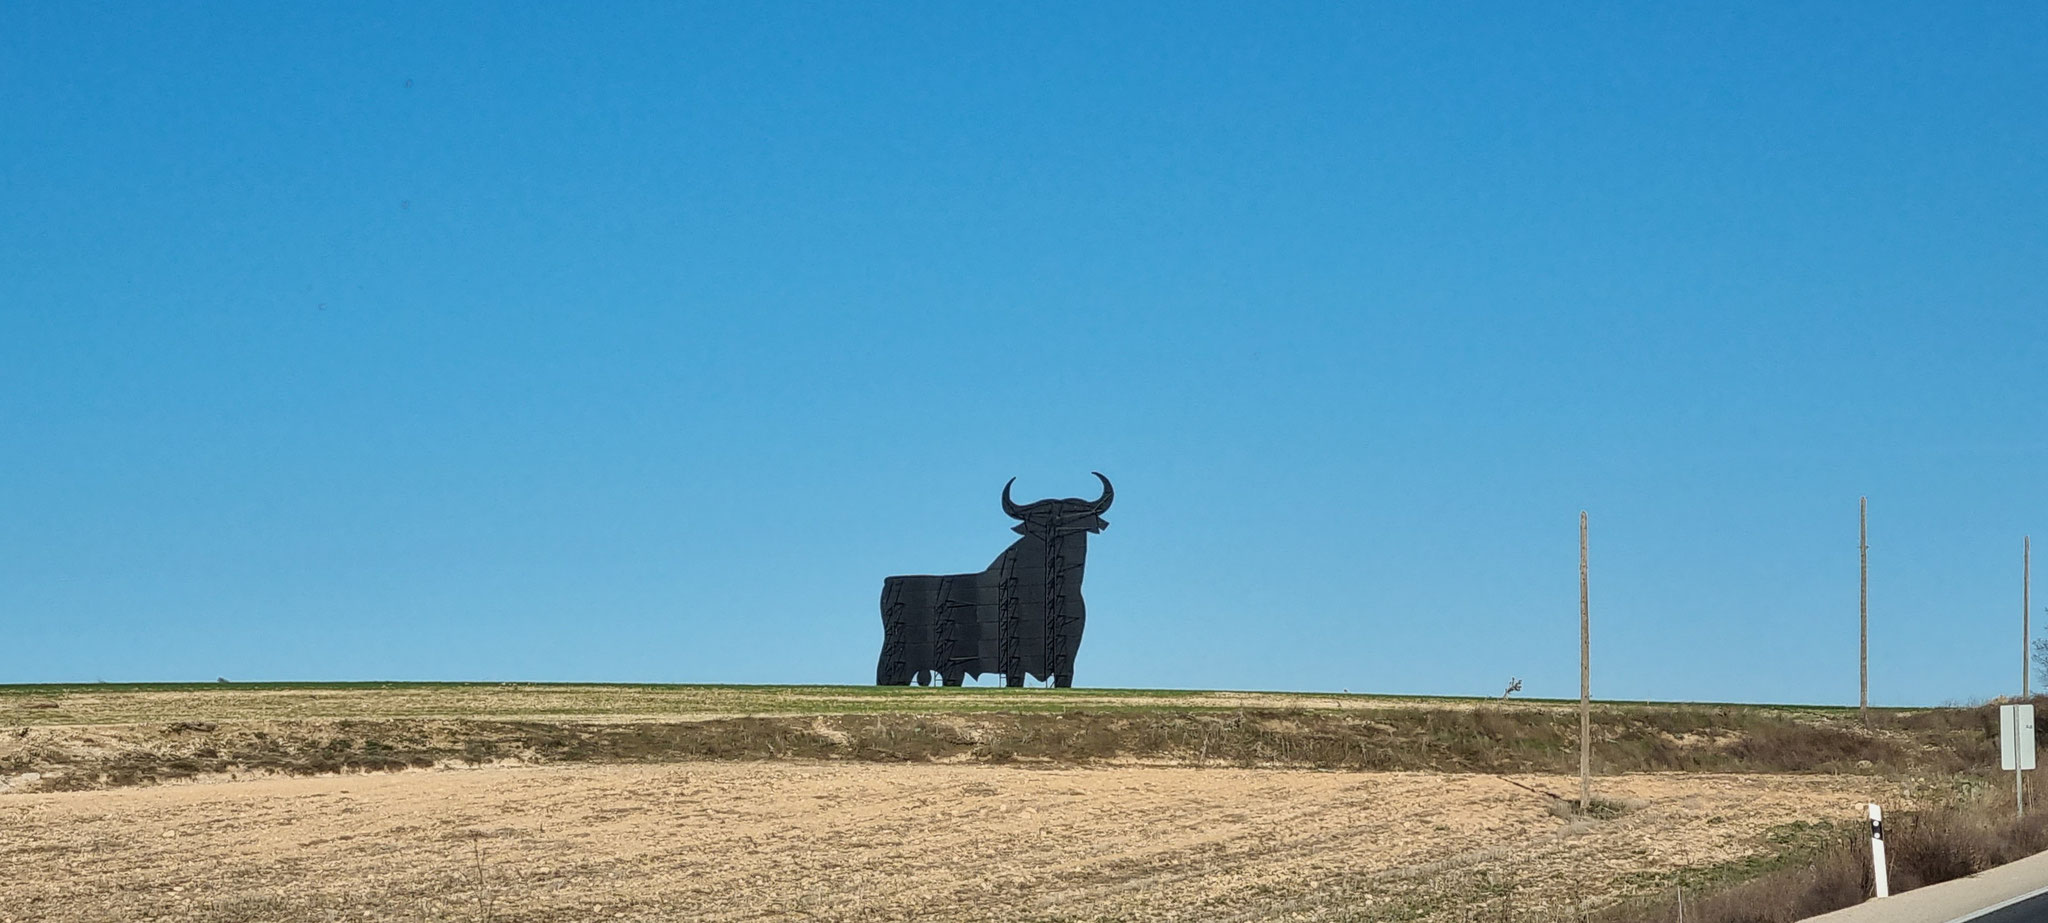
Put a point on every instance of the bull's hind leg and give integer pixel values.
(907, 613)
(1014, 680)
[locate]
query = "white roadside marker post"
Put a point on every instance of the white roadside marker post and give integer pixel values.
(1879, 882)
(2016, 747)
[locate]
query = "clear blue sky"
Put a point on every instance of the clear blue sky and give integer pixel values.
(639, 342)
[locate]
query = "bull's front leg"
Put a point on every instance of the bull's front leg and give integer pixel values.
(1071, 617)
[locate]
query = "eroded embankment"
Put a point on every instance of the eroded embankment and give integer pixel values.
(1482, 739)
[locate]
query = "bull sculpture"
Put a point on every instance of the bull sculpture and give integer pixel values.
(1022, 616)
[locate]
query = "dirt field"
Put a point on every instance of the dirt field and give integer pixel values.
(472, 802)
(862, 841)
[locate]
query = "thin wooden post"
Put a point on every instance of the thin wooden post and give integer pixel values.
(1863, 608)
(1585, 679)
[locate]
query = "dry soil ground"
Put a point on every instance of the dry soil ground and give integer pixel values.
(600, 803)
(865, 841)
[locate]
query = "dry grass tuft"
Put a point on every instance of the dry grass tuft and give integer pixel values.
(1484, 739)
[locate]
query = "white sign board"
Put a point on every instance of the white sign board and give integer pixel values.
(2015, 736)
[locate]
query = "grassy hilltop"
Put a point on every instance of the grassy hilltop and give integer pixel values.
(90, 736)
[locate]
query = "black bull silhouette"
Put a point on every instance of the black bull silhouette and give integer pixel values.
(1023, 615)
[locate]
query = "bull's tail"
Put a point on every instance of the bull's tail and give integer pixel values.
(894, 668)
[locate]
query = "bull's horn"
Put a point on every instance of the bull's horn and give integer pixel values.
(1015, 511)
(1108, 494)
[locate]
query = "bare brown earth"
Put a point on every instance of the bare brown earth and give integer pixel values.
(443, 802)
(870, 841)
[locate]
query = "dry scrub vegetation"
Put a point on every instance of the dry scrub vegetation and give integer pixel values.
(141, 703)
(856, 804)
(1954, 839)
(1460, 737)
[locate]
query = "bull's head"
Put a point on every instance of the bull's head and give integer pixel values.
(1060, 517)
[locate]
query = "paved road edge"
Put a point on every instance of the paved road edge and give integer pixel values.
(1951, 900)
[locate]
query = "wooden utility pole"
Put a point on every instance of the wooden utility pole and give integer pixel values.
(1585, 680)
(1863, 549)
